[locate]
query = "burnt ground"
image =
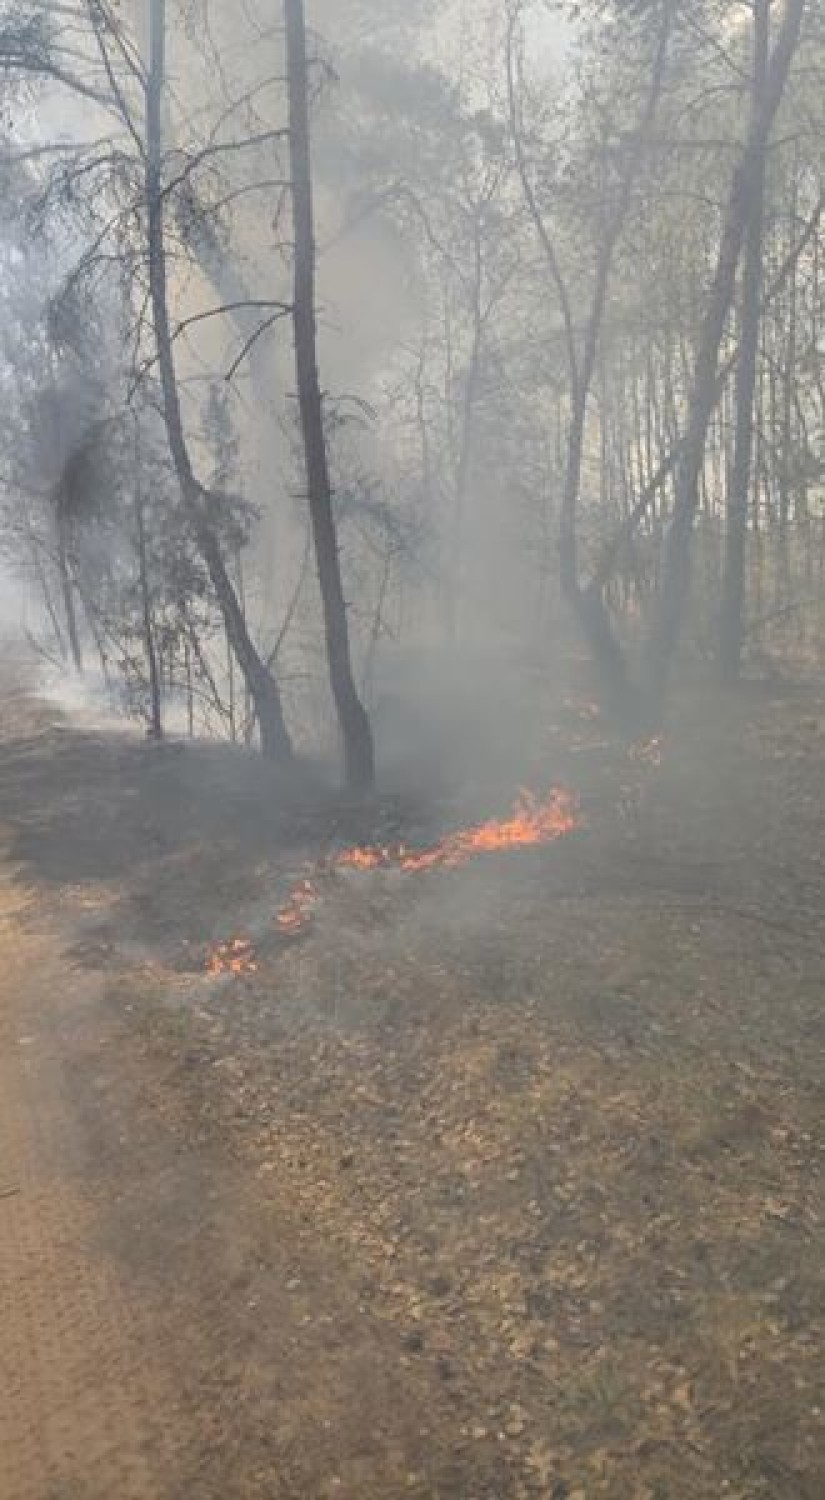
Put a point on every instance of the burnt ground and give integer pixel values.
(499, 1182)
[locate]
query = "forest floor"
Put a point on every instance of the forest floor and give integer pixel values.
(497, 1182)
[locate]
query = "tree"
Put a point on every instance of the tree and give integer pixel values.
(356, 733)
(586, 601)
(123, 189)
(559, 349)
(746, 187)
(731, 622)
(263, 688)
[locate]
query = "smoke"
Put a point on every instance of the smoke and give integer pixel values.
(391, 309)
(88, 701)
(15, 604)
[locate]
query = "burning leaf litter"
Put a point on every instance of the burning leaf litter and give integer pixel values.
(532, 821)
(297, 911)
(237, 956)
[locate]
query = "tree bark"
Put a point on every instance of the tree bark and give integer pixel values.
(263, 689)
(733, 588)
(359, 757)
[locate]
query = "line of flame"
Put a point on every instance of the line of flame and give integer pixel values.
(531, 822)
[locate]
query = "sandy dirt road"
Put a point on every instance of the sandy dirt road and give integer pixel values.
(85, 1408)
(169, 1325)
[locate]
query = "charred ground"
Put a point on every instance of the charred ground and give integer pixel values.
(503, 1181)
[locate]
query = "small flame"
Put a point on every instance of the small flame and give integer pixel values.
(237, 956)
(296, 914)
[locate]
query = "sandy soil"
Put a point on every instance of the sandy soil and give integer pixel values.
(502, 1182)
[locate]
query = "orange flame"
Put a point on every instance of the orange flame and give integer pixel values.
(236, 956)
(531, 822)
(295, 915)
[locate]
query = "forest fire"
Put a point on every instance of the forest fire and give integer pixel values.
(236, 956)
(531, 822)
(295, 914)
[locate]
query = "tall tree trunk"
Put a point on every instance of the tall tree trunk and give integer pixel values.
(466, 439)
(588, 602)
(733, 587)
(676, 564)
(64, 569)
(786, 458)
(232, 706)
(356, 733)
(190, 690)
(455, 579)
(263, 689)
(155, 711)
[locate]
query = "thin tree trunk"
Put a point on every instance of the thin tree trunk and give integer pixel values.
(356, 733)
(463, 470)
(67, 586)
(676, 566)
(275, 741)
(733, 588)
(455, 579)
(155, 712)
(624, 533)
(587, 603)
(786, 464)
(230, 669)
(190, 693)
(247, 700)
